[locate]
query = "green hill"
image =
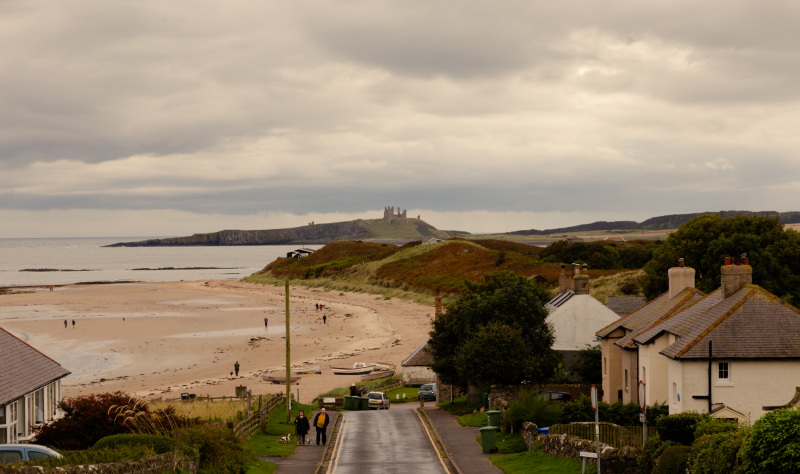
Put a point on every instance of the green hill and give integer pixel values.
(396, 230)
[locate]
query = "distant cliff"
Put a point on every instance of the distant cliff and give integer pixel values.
(400, 229)
(668, 222)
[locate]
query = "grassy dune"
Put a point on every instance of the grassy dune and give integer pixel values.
(415, 271)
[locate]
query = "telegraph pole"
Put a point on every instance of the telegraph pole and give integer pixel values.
(288, 362)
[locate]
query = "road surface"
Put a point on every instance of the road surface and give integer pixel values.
(385, 441)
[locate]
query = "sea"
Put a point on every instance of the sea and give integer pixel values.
(66, 261)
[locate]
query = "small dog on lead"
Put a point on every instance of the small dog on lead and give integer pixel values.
(308, 440)
(285, 439)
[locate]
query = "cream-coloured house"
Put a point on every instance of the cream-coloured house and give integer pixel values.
(30, 388)
(417, 367)
(734, 354)
(624, 362)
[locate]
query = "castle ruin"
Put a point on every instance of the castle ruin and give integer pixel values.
(389, 216)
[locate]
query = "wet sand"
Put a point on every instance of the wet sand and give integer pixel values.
(160, 339)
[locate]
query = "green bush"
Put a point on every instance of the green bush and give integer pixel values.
(717, 447)
(98, 456)
(652, 449)
(679, 428)
(618, 413)
(774, 445)
(532, 407)
(219, 449)
(160, 444)
(673, 460)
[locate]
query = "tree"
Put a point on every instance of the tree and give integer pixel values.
(588, 365)
(704, 241)
(495, 332)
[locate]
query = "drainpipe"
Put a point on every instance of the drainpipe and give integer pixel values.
(710, 368)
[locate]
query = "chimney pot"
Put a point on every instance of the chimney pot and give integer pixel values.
(727, 260)
(745, 261)
(681, 263)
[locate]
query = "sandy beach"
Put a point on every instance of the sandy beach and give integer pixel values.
(156, 340)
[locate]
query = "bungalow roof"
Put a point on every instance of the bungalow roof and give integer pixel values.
(25, 369)
(421, 357)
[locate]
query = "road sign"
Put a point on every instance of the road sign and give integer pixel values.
(642, 404)
(594, 398)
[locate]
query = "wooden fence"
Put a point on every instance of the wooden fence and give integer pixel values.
(247, 426)
(613, 435)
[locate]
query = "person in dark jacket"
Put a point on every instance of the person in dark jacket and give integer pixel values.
(353, 390)
(301, 427)
(321, 424)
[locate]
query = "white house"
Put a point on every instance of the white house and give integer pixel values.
(734, 354)
(417, 367)
(624, 362)
(30, 388)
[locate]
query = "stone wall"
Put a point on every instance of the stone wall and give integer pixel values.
(153, 465)
(503, 395)
(611, 459)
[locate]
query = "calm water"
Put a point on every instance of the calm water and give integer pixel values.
(86, 260)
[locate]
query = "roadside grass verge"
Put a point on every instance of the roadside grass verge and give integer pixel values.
(409, 392)
(269, 443)
(538, 462)
(477, 420)
(262, 467)
(458, 407)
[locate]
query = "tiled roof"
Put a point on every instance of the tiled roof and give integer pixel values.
(421, 357)
(24, 368)
(752, 323)
(625, 304)
(652, 313)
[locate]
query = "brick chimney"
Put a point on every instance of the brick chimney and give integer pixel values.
(564, 280)
(680, 278)
(736, 272)
(581, 280)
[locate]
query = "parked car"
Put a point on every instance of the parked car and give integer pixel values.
(563, 397)
(378, 400)
(25, 452)
(427, 391)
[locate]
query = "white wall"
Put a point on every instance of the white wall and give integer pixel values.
(418, 375)
(753, 385)
(654, 366)
(576, 322)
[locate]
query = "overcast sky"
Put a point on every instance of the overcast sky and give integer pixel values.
(153, 118)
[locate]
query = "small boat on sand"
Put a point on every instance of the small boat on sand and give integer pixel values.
(378, 374)
(309, 369)
(276, 379)
(358, 368)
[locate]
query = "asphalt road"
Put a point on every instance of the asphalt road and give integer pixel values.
(385, 441)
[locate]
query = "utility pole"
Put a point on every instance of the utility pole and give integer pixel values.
(288, 362)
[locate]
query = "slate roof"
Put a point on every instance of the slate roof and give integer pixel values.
(421, 357)
(654, 312)
(625, 304)
(752, 323)
(25, 369)
(559, 299)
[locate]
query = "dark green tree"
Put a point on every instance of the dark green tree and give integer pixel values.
(588, 365)
(704, 242)
(495, 332)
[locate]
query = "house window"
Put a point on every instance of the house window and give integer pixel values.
(626, 380)
(8, 423)
(38, 404)
(724, 372)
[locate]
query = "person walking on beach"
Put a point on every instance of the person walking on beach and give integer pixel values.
(324, 319)
(266, 322)
(317, 306)
(65, 324)
(73, 324)
(321, 424)
(236, 368)
(301, 427)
